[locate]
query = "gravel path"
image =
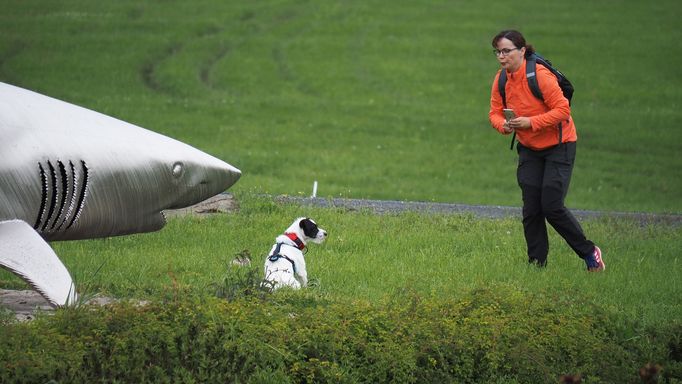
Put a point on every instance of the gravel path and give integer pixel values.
(483, 211)
(225, 202)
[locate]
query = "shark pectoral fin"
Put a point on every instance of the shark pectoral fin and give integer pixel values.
(24, 253)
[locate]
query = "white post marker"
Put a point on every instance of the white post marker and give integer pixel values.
(314, 189)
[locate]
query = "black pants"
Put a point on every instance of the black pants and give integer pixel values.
(544, 177)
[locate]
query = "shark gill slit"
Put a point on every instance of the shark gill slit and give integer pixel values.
(70, 191)
(81, 194)
(53, 191)
(43, 196)
(63, 178)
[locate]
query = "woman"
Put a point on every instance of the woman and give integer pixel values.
(546, 147)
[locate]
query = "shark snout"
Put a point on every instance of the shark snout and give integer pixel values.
(200, 180)
(219, 177)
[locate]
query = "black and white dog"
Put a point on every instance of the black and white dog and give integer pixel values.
(286, 262)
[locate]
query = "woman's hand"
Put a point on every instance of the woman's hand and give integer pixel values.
(518, 123)
(507, 128)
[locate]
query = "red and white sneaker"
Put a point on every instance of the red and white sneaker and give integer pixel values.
(594, 261)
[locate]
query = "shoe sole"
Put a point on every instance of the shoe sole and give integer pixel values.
(597, 257)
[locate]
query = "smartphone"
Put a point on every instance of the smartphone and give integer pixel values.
(509, 114)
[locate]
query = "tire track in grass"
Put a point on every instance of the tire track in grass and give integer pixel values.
(298, 23)
(279, 52)
(206, 69)
(291, 18)
(210, 32)
(148, 70)
(222, 49)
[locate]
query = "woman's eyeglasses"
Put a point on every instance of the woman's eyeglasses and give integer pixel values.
(503, 52)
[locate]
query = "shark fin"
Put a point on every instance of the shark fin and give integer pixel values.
(24, 253)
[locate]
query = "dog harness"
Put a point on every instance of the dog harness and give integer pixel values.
(276, 255)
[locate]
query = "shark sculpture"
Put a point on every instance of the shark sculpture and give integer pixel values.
(69, 173)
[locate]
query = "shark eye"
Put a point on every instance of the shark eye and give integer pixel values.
(178, 169)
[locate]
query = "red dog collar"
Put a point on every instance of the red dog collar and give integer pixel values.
(296, 240)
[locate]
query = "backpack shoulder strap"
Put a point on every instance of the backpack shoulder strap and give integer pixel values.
(501, 82)
(531, 62)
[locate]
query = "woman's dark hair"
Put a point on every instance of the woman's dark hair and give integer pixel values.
(515, 37)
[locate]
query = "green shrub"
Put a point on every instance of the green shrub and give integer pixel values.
(485, 335)
(242, 281)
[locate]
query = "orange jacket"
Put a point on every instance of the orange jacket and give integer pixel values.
(545, 117)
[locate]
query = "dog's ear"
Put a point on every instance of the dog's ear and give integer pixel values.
(306, 222)
(309, 227)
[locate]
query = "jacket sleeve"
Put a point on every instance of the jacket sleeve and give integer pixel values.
(496, 115)
(554, 100)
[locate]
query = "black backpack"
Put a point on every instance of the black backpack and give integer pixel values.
(531, 61)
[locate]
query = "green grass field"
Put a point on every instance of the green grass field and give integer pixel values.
(371, 266)
(371, 99)
(370, 257)
(381, 100)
